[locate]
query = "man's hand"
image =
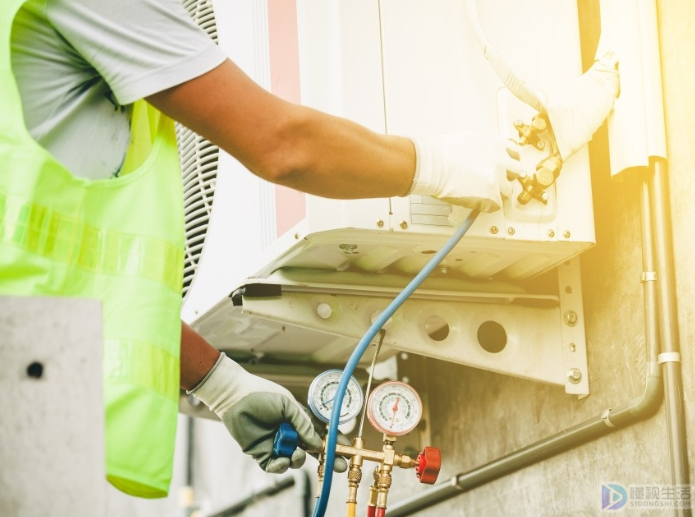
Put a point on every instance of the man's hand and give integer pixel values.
(252, 409)
(467, 169)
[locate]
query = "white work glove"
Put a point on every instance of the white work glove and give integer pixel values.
(466, 169)
(252, 409)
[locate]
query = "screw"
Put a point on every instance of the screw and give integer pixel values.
(324, 311)
(404, 225)
(566, 234)
(551, 233)
(545, 197)
(540, 145)
(573, 347)
(571, 318)
(296, 236)
(348, 249)
(404, 356)
(494, 230)
(511, 230)
(380, 223)
(574, 375)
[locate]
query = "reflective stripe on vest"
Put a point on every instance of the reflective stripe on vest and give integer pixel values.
(116, 240)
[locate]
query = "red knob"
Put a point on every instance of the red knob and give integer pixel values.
(429, 461)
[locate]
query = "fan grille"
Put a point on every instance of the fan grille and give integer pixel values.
(198, 158)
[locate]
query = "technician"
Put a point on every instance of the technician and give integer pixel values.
(91, 206)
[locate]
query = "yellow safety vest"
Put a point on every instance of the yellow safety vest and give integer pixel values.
(119, 241)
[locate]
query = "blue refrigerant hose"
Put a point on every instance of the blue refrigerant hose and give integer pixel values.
(321, 504)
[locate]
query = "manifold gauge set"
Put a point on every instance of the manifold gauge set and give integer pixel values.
(393, 408)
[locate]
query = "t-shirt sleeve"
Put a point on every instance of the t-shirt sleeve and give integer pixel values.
(139, 47)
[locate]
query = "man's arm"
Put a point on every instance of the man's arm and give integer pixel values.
(197, 357)
(289, 144)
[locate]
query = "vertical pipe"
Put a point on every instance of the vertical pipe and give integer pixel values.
(668, 322)
(651, 324)
(190, 450)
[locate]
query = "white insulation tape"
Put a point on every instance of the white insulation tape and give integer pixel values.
(576, 112)
(636, 127)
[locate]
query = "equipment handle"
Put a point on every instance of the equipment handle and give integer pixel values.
(286, 441)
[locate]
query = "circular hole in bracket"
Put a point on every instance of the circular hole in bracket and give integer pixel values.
(492, 337)
(437, 328)
(35, 370)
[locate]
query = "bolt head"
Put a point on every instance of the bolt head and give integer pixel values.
(324, 311)
(380, 223)
(511, 230)
(494, 230)
(404, 225)
(573, 347)
(566, 234)
(574, 375)
(551, 233)
(571, 318)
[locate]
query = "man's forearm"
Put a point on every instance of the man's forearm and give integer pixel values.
(289, 144)
(197, 357)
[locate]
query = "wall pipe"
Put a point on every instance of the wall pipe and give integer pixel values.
(668, 321)
(300, 479)
(610, 419)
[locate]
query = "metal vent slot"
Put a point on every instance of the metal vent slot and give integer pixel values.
(198, 158)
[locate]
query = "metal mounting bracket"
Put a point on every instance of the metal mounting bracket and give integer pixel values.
(535, 337)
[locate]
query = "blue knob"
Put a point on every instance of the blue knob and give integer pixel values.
(286, 441)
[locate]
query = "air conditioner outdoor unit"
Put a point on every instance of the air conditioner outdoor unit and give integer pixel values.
(308, 273)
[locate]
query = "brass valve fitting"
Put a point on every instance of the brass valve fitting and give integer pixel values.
(548, 169)
(530, 134)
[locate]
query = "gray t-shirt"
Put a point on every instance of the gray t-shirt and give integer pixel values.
(80, 64)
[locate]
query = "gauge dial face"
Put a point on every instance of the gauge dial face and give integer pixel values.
(322, 392)
(394, 408)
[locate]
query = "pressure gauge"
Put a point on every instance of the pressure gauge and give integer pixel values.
(394, 408)
(322, 392)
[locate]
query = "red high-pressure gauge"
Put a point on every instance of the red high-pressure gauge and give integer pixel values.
(394, 408)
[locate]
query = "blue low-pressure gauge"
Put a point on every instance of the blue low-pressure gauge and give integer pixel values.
(322, 392)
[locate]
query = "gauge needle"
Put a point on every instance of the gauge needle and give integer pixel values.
(394, 409)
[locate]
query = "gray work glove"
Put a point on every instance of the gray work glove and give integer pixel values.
(466, 169)
(252, 409)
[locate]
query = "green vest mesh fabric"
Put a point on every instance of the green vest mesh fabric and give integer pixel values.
(119, 241)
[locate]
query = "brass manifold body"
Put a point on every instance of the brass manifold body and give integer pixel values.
(387, 459)
(534, 186)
